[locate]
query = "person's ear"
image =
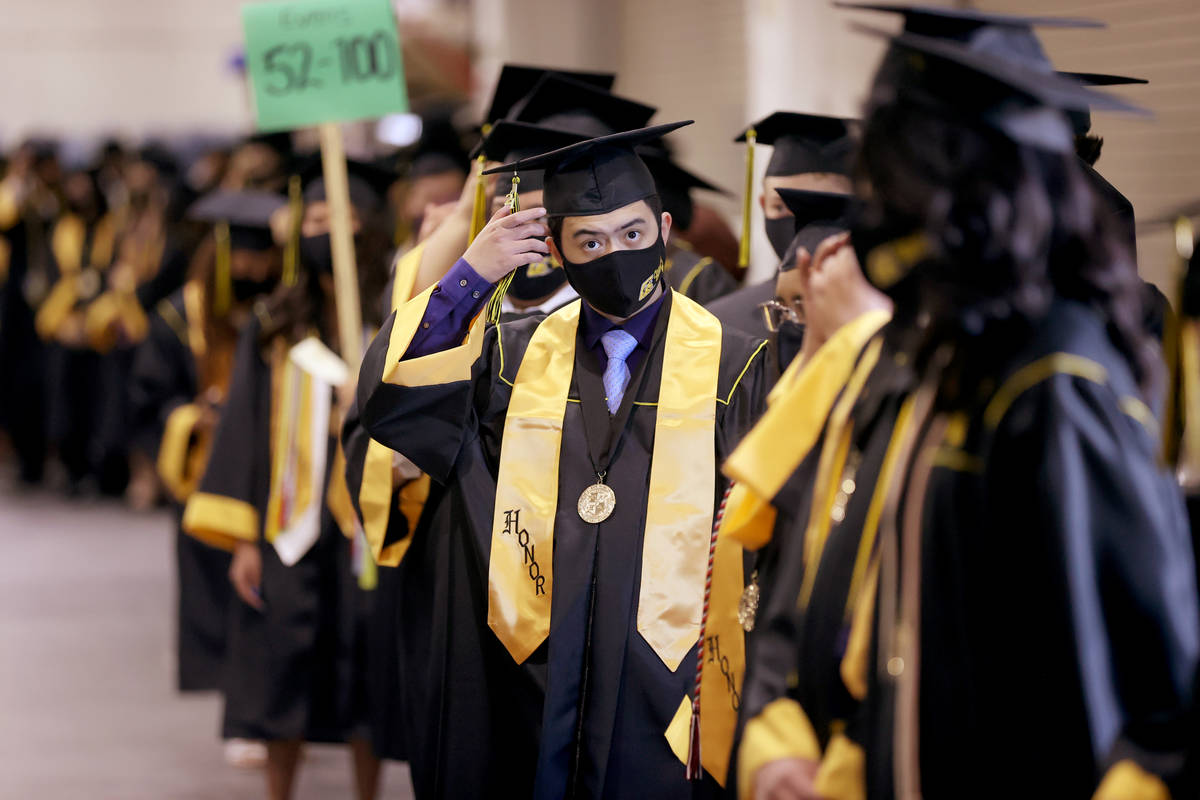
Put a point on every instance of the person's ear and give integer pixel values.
(554, 250)
(762, 201)
(665, 227)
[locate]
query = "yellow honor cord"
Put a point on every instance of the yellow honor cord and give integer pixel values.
(496, 302)
(479, 209)
(747, 198)
(223, 288)
(291, 251)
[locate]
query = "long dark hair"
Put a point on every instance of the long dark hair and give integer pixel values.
(1008, 228)
(295, 310)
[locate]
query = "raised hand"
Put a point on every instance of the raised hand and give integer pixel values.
(508, 241)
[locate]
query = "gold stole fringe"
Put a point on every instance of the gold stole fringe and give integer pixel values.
(680, 504)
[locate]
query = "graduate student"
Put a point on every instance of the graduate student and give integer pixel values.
(81, 248)
(178, 384)
(581, 519)
(398, 505)
(1006, 413)
(299, 659)
(808, 151)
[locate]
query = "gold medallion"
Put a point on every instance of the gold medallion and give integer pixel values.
(748, 604)
(596, 503)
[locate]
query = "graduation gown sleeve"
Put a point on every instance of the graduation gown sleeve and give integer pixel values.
(1117, 523)
(698, 277)
(227, 507)
(163, 377)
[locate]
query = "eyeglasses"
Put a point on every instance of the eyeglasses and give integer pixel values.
(775, 313)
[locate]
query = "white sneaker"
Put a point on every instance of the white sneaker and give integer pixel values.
(245, 754)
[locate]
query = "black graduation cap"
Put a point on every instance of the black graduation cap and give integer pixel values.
(595, 176)
(674, 183)
(989, 64)
(516, 81)
(1081, 121)
(818, 215)
(571, 105)
(804, 142)
(513, 141)
(368, 182)
(247, 212)
(962, 23)
(668, 172)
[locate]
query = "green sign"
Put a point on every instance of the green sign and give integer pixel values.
(314, 61)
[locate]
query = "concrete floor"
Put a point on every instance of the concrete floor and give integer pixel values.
(87, 705)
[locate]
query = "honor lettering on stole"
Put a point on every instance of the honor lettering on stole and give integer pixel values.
(512, 527)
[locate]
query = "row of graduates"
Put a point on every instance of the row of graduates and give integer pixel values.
(88, 255)
(233, 383)
(941, 522)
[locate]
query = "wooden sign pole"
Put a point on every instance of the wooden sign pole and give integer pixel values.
(341, 238)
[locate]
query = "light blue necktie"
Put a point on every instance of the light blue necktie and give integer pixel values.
(617, 346)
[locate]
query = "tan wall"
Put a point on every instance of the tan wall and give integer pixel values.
(88, 67)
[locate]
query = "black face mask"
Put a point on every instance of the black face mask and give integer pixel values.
(621, 282)
(316, 253)
(546, 279)
(788, 341)
(780, 232)
(246, 289)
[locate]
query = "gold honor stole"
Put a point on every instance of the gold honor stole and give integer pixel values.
(770, 453)
(375, 496)
(682, 482)
(300, 446)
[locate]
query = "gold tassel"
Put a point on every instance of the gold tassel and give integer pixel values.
(747, 199)
(223, 283)
(479, 211)
(1182, 351)
(291, 252)
(496, 301)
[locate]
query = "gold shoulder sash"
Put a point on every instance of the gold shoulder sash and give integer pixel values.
(375, 496)
(520, 577)
(679, 514)
(798, 408)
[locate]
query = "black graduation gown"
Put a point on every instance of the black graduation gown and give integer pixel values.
(740, 310)
(380, 621)
(22, 357)
(401, 620)
(77, 384)
(512, 729)
(163, 378)
(699, 277)
(292, 670)
(1058, 621)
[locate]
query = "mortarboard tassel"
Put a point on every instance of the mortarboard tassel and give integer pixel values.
(223, 279)
(479, 209)
(1181, 426)
(513, 201)
(291, 252)
(694, 770)
(747, 198)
